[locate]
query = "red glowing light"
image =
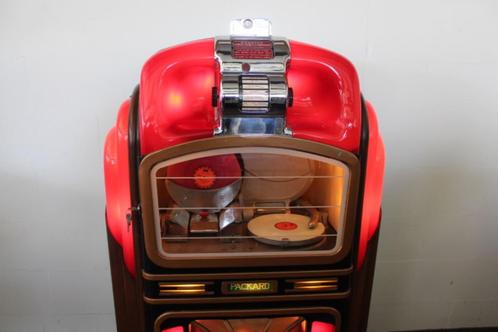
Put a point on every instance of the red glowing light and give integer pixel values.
(174, 329)
(322, 327)
(175, 99)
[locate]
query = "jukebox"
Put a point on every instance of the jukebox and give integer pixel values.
(243, 184)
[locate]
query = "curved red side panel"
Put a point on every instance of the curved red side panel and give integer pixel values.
(327, 101)
(318, 326)
(373, 185)
(175, 96)
(117, 185)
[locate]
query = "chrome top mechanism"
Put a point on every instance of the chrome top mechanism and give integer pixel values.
(253, 83)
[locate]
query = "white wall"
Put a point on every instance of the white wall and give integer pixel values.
(429, 66)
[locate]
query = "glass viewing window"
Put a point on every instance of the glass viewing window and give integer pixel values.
(256, 200)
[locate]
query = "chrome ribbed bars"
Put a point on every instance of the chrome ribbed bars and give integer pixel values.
(252, 67)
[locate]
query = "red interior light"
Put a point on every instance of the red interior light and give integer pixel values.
(174, 329)
(322, 327)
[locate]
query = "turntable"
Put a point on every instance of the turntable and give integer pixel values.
(286, 230)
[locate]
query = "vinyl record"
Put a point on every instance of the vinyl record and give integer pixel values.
(206, 173)
(286, 230)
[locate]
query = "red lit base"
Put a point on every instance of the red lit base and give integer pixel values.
(291, 324)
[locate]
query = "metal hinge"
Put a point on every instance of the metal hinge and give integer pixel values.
(132, 214)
